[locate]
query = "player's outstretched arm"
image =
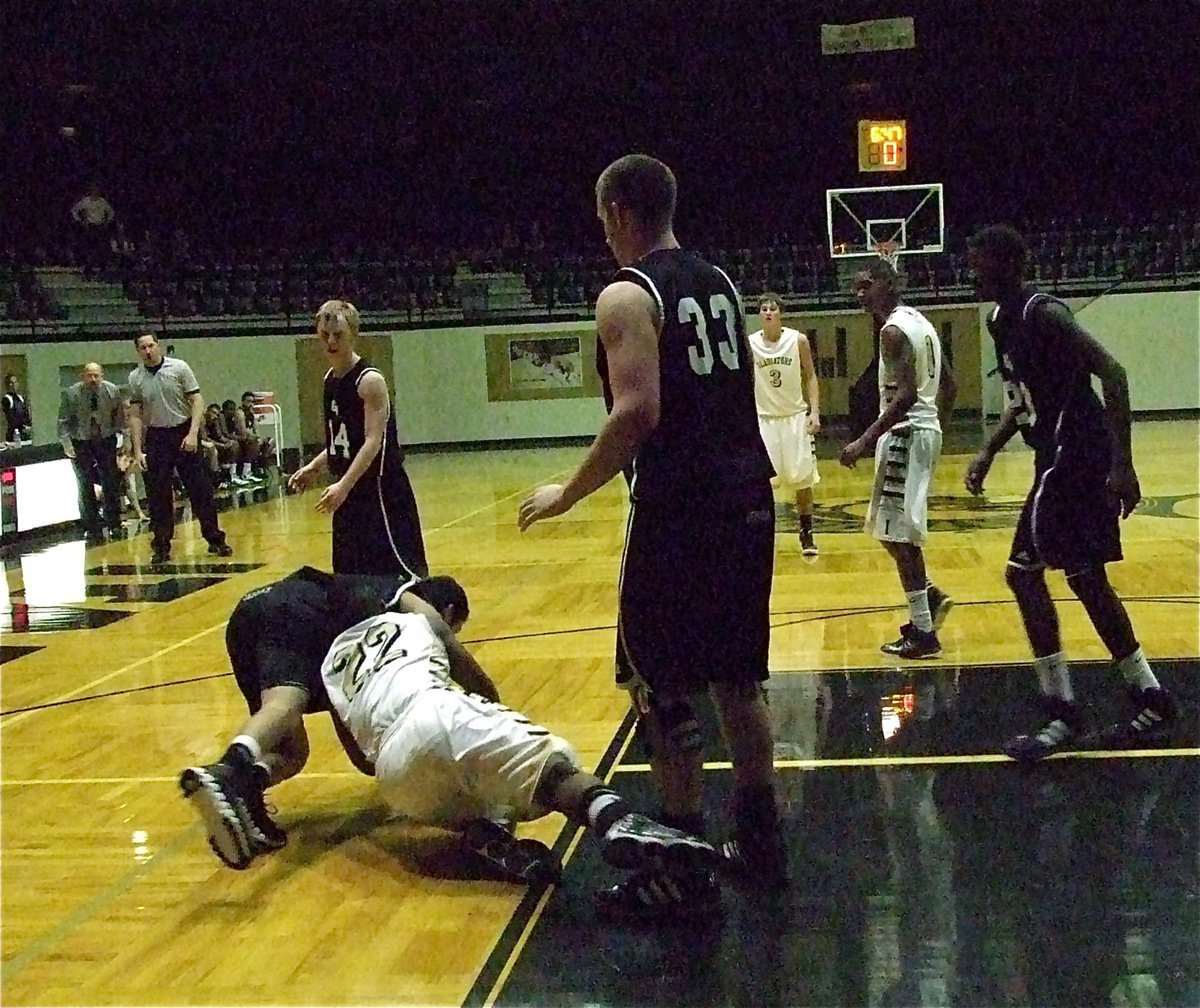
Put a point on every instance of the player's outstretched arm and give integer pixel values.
(627, 321)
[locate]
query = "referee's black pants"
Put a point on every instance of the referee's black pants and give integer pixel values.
(164, 456)
(96, 462)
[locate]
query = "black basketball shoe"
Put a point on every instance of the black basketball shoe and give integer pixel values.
(913, 643)
(494, 849)
(808, 545)
(215, 796)
(264, 832)
(1059, 733)
(1156, 712)
(636, 841)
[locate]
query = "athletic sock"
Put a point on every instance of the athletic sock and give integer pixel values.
(1054, 676)
(806, 524)
(249, 744)
(918, 610)
(602, 807)
(1136, 671)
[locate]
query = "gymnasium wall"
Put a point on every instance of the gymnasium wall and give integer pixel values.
(441, 381)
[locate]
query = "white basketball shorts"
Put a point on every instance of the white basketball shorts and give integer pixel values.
(905, 459)
(458, 757)
(790, 447)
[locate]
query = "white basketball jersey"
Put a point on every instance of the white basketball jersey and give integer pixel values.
(927, 365)
(778, 376)
(378, 670)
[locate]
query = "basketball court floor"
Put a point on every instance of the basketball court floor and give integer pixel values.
(927, 868)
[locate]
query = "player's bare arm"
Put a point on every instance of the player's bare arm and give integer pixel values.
(376, 404)
(628, 325)
(1114, 385)
(357, 757)
(464, 669)
(896, 349)
(981, 464)
(310, 472)
(812, 389)
(947, 391)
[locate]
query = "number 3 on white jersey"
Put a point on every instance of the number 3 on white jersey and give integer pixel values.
(339, 442)
(700, 354)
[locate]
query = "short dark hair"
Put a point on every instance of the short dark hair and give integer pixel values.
(885, 273)
(228, 402)
(772, 297)
(244, 394)
(643, 185)
(138, 338)
(1002, 241)
(440, 591)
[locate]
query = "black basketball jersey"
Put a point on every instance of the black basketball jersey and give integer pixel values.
(707, 441)
(1045, 378)
(345, 427)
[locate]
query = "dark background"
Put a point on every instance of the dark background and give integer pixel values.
(264, 124)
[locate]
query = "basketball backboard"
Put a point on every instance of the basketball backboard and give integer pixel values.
(860, 220)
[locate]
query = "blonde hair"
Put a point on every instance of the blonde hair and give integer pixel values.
(340, 314)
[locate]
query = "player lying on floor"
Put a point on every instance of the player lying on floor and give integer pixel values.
(382, 657)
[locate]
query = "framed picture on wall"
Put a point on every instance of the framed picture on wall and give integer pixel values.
(541, 366)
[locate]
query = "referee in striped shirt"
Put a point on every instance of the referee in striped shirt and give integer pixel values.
(165, 417)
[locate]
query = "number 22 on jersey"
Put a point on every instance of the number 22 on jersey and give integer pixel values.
(700, 353)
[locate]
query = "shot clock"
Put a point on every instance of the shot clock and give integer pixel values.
(882, 145)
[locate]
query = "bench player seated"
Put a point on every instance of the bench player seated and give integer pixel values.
(413, 709)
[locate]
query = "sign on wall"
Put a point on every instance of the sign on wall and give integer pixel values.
(528, 366)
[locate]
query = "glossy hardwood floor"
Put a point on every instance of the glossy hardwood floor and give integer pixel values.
(115, 678)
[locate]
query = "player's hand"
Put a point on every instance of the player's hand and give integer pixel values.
(332, 498)
(138, 461)
(1123, 488)
(547, 501)
(977, 470)
(68, 449)
(853, 452)
(189, 443)
(300, 480)
(814, 424)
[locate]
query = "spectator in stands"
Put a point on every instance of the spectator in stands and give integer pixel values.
(247, 443)
(266, 446)
(18, 422)
(93, 217)
(218, 442)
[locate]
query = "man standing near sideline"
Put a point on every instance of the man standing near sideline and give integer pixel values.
(906, 438)
(1084, 483)
(376, 525)
(90, 416)
(166, 412)
(789, 408)
(695, 588)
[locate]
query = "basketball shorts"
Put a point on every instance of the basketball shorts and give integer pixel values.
(457, 757)
(1067, 522)
(790, 447)
(278, 636)
(695, 593)
(905, 460)
(377, 529)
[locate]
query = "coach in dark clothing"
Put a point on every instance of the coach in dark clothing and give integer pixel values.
(165, 416)
(90, 416)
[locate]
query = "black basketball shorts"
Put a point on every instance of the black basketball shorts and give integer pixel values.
(1068, 522)
(278, 636)
(695, 593)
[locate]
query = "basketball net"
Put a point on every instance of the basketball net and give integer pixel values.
(889, 252)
